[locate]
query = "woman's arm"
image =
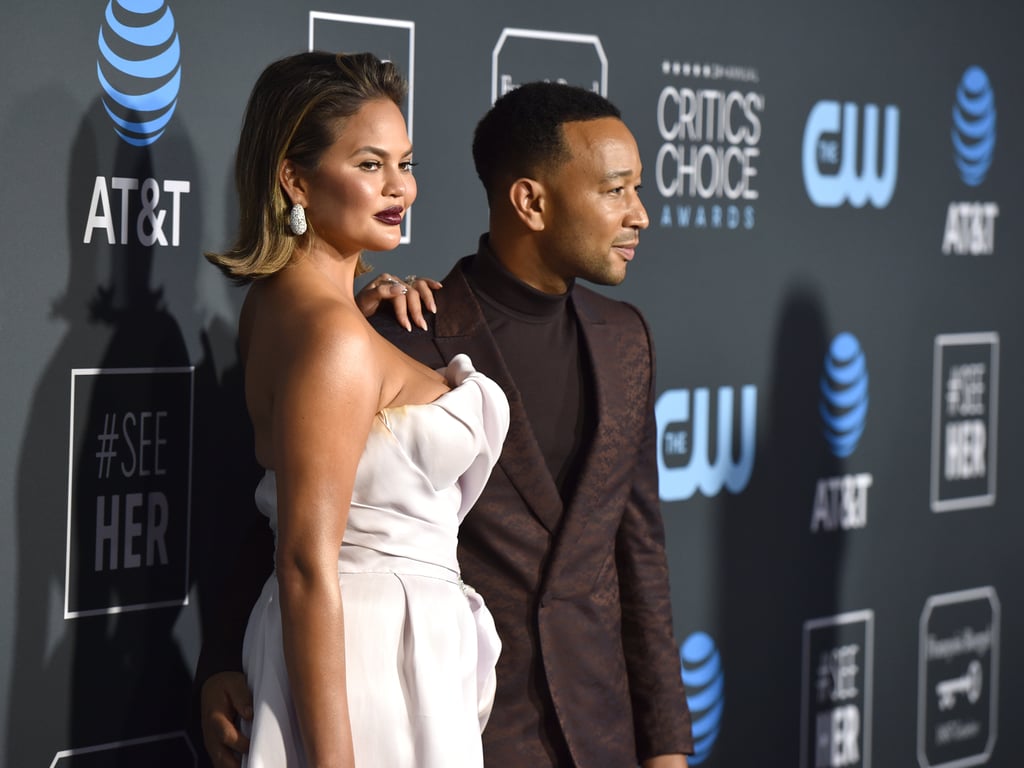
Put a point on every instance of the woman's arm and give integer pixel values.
(325, 397)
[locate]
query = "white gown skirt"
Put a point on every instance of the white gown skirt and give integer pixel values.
(420, 650)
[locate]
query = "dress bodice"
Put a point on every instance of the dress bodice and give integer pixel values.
(422, 469)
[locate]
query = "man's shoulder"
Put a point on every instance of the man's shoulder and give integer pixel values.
(453, 292)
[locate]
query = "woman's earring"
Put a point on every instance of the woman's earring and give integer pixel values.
(297, 220)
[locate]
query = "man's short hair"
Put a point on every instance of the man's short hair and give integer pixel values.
(522, 133)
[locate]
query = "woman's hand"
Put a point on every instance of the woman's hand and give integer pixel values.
(408, 297)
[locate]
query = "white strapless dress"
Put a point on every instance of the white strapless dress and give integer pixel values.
(420, 646)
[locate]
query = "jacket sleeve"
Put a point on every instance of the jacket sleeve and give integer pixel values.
(233, 601)
(660, 712)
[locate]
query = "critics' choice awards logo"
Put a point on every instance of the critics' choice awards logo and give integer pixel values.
(129, 490)
(710, 127)
(391, 39)
(528, 55)
(705, 685)
(686, 442)
(835, 723)
(957, 674)
(971, 226)
(842, 502)
(836, 136)
(139, 68)
(964, 418)
(139, 72)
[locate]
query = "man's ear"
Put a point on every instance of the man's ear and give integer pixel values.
(292, 182)
(528, 202)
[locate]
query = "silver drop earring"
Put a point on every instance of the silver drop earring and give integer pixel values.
(297, 220)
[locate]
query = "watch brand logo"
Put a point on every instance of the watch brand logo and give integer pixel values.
(834, 139)
(705, 683)
(139, 68)
(974, 126)
(958, 675)
(844, 394)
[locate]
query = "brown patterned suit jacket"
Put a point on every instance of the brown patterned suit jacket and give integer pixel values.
(580, 595)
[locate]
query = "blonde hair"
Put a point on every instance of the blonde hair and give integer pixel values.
(296, 110)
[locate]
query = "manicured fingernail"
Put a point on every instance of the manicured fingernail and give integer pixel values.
(423, 324)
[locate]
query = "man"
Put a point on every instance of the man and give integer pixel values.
(566, 543)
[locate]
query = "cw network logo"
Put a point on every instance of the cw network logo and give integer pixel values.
(139, 68)
(831, 145)
(705, 691)
(684, 443)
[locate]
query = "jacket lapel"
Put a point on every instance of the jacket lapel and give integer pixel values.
(605, 455)
(460, 327)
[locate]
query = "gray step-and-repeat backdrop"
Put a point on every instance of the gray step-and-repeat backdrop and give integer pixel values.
(831, 275)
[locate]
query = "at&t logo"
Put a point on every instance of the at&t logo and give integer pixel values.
(844, 394)
(705, 684)
(974, 126)
(139, 71)
(139, 68)
(684, 435)
(842, 502)
(834, 138)
(971, 226)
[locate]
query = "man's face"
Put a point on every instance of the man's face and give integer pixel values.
(593, 214)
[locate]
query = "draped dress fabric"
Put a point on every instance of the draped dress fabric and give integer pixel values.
(420, 646)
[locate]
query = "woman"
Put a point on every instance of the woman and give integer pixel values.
(365, 648)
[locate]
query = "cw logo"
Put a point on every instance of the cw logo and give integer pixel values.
(676, 427)
(830, 190)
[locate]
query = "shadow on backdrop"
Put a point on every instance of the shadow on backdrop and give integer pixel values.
(116, 671)
(774, 573)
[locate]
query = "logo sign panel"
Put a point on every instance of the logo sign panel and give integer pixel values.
(171, 750)
(129, 490)
(528, 55)
(958, 673)
(835, 724)
(389, 39)
(964, 419)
